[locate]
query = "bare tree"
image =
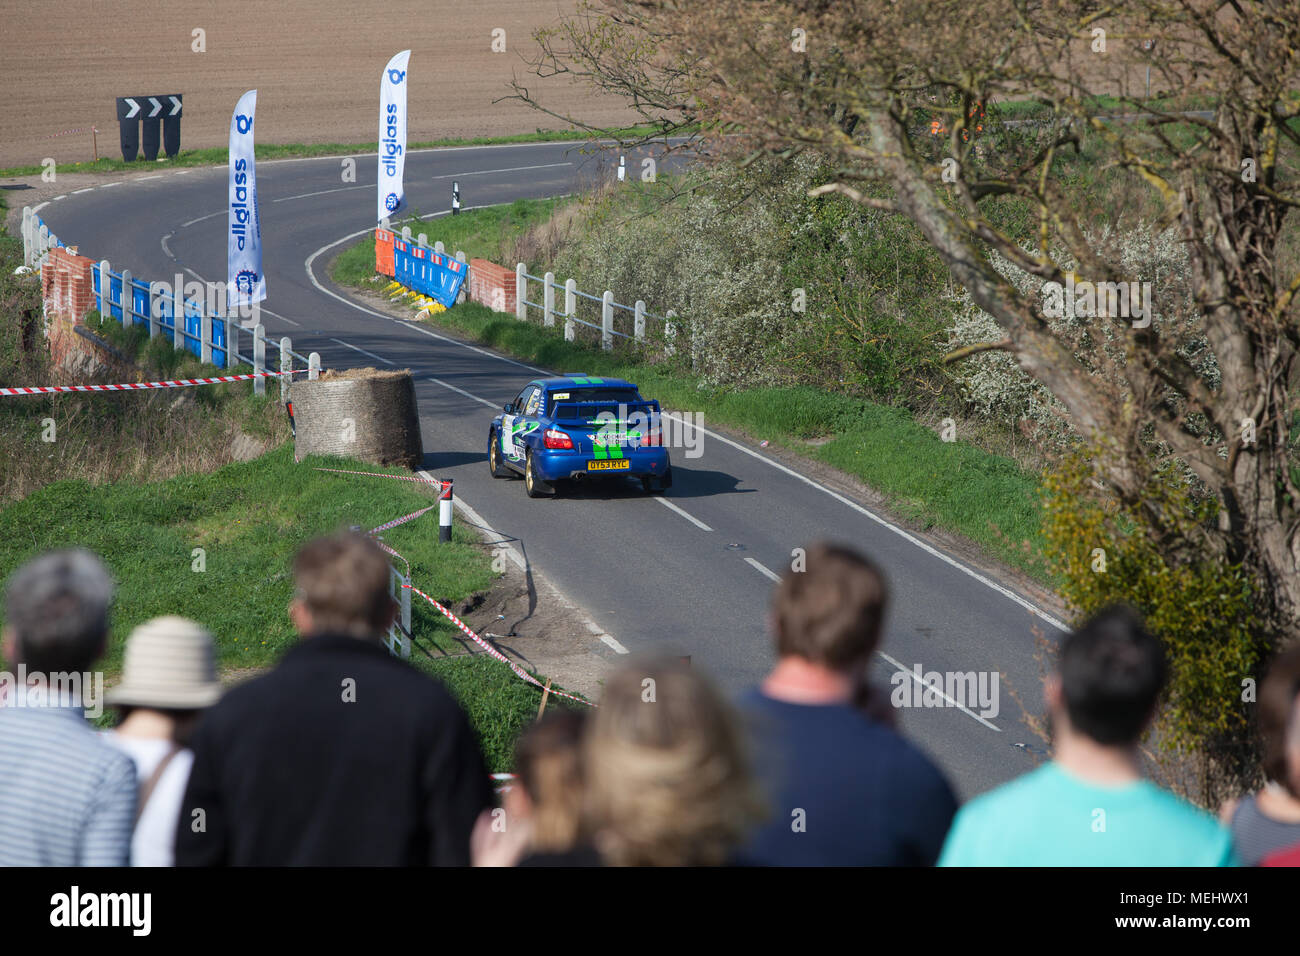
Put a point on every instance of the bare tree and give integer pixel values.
(971, 119)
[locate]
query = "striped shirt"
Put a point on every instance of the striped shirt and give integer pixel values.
(1255, 834)
(67, 798)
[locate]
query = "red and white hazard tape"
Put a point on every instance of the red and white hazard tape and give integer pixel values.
(394, 554)
(402, 520)
(519, 671)
(136, 386)
(492, 651)
(78, 129)
(376, 474)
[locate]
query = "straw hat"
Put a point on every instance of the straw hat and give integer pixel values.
(170, 664)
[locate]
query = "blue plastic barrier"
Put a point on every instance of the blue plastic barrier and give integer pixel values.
(434, 274)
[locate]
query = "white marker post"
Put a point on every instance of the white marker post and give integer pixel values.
(444, 511)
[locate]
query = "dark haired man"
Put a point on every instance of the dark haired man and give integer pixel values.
(1090, 806)
(842, 788)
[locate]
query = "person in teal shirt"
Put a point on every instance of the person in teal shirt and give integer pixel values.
(1091, 806)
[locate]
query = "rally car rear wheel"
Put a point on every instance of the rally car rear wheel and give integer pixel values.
(657, 485)
(534, 485)
(499, 469)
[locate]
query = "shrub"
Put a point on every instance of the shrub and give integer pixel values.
(996, 386)
(728, 248)
(1200, 606)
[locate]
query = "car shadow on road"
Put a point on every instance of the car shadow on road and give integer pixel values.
(434, 460)
(687, 483)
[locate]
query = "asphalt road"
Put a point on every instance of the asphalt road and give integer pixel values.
(689, 572)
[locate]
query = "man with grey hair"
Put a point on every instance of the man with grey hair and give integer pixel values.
(67, 798)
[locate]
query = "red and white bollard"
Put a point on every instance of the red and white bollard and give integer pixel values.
(444, 511)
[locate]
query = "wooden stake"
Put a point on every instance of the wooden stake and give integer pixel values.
(546, 692)
(94, 139)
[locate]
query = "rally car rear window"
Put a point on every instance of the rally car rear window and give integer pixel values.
(579, 396)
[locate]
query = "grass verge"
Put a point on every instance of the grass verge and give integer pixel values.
(485, 233)
(218, 548)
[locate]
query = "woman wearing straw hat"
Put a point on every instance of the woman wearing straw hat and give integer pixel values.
(168, 678)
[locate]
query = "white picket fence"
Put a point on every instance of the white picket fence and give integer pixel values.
(570, 313)
(571, 296)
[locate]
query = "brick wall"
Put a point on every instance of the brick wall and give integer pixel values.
(492, 285)
(68, 293)
(67, 284)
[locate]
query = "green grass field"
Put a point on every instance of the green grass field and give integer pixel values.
(248, 519)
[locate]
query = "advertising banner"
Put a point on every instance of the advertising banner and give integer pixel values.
(392, 136)
(245, 283)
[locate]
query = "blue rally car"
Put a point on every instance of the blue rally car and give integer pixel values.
(578, 427)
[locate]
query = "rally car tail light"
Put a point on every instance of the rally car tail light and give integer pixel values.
(652, 437)
(555, 438)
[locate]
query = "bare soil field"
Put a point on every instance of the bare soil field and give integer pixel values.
(316, 65)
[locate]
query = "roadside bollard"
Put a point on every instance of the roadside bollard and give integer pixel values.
(444, 511)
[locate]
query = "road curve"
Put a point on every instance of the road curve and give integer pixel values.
(692, 571)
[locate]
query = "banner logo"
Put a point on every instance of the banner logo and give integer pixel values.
(396, 76)
(243, 124)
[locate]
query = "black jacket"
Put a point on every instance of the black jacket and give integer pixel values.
(342, 755)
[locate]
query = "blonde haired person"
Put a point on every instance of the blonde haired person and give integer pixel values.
(169, 677)
(668, 779)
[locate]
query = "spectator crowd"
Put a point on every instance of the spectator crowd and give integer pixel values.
(344, 755)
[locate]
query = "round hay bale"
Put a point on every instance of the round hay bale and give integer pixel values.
(360, 413)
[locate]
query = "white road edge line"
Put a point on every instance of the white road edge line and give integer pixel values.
(488, 172)
(40, 207)
(388, 318)
(186, 225)
(325, 192)
(78, 192)
(377, 358)
(461, 391)
(275, 315)
(477, 172)
(929, 549)
(496, 539)
(767, 573)
(684, 513)
(912, 674)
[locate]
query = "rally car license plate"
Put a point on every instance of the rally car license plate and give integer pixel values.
(609, 465)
